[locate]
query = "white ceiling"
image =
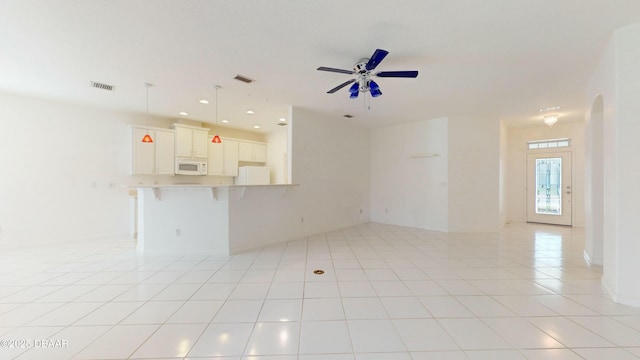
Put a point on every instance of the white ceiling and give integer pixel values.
(502, 58)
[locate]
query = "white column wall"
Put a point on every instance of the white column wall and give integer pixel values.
(628, 170)
(276, 150)
(330, 159)
(617, 80)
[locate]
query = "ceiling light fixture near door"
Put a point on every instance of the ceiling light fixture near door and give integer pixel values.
(216, 139)
(550, 116)
(550, 119)
(250, 112)
(147, 138)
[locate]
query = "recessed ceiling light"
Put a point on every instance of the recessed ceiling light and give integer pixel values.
(283, 119)
(204, 101)
(225, 121)
(250, 112)
(256, 126)
(183, 113)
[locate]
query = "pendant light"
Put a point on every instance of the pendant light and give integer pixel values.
(147, 138)
(216, 139)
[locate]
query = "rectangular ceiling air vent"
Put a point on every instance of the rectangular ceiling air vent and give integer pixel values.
(102, 86)
(348, 116)
(244, 79)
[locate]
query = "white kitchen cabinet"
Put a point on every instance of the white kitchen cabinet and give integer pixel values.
(165, 156)
(223, 158)
(190, 141)
(249, 151)
(156, 158)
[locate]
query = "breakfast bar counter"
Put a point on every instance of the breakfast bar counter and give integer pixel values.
(212, 219)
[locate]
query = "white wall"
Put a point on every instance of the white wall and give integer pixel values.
(628, 170)
(330, 160)
(455, 191)
(617, 80)
(408, 180)
(517, 171)
(474, 172)
(61, 171)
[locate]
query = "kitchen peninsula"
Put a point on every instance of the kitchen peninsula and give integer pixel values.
(215, 219)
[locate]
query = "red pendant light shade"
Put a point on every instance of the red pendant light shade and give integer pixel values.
(147, 138)
(216, 139)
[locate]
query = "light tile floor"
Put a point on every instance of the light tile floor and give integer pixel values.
(388, 292)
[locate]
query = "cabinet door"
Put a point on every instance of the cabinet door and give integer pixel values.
(230, 157)
(216, 159)
(165, 158)
(183, 142)
(245, 151)
(260, 153)
(199, 143)
(142, 154)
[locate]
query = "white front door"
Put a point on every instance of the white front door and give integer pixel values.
(549, 188)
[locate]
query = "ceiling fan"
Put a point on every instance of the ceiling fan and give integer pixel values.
(363, 70)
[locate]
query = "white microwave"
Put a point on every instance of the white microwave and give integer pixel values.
(191, 166)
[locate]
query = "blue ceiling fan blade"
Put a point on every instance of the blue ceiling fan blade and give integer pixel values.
(399, 74)
(340, 86)
(324, 68)
(376, 58)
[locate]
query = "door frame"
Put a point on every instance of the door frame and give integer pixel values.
(553, 152)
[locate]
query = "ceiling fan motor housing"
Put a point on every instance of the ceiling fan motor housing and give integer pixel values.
(361, 66)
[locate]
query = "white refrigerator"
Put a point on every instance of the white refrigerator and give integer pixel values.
(252, 175)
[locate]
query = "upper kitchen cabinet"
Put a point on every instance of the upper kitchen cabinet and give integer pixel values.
(191, 141)
(156, 158)
(223, 158)
(251, 151)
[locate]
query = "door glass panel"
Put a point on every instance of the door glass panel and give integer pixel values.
(549, 186)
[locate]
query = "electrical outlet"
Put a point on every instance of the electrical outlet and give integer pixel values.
(301, 219)
(178, 232)
(360, 211)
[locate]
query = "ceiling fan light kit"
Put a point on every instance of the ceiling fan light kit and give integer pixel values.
(363, 70)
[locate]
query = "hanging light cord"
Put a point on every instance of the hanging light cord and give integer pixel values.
(217, 87)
